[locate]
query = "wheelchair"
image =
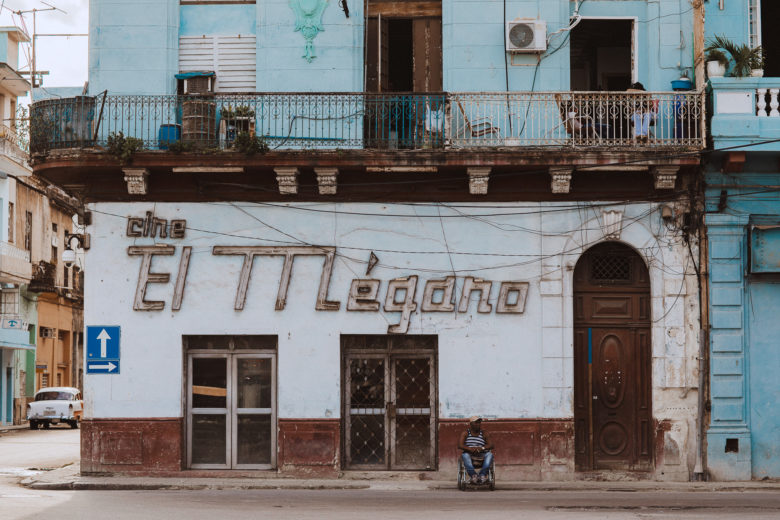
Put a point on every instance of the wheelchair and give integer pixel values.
(463, 476)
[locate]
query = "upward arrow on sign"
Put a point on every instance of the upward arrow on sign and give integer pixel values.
(103, 337)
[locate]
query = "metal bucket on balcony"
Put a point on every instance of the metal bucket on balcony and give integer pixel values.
(199, 122)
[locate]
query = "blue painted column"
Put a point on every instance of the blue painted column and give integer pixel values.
(728, 437)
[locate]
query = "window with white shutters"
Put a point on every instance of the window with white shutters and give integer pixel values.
(232, 58)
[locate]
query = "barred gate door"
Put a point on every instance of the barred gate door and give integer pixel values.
(389, 402)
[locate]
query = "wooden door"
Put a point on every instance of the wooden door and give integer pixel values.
(377, 54)
(427, 54)
(612, 358)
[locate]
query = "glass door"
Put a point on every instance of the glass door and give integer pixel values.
(208, 402)
(232, 413)
(254, 442)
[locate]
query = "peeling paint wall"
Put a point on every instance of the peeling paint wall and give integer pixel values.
(527, 358)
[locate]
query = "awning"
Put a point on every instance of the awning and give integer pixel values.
(198, 74)
(7, 345)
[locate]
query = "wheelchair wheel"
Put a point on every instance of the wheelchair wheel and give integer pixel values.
(492, 477)
(461, 475)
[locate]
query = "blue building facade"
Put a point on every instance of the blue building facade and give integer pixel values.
(742, 218)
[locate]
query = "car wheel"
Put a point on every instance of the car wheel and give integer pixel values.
(33, 424)
(46, 425)
(74, 424)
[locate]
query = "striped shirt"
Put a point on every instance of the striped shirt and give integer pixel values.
(474, 441)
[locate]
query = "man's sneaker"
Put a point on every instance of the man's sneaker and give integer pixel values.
(482, 479)
(474, 479)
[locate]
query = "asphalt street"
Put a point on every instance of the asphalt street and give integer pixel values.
(23, 452)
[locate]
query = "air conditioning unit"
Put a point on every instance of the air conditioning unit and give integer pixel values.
(526, 35)
(199, 85)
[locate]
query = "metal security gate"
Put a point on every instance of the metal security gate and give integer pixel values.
(389, 401)
(231, 404)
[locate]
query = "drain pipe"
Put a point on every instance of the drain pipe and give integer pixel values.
(698, 470)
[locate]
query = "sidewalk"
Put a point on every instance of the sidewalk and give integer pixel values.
(68, 478)
(9, 427)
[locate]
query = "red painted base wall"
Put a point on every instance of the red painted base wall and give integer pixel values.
(147, 446)
(531, 449)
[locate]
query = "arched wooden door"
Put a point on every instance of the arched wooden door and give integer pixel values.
(612, 360)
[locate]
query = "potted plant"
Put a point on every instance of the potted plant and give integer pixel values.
(716, 63)
(746, 59)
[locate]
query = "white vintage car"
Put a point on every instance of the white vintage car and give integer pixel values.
(55, 405)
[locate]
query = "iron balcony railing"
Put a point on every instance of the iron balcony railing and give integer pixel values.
(328, 121)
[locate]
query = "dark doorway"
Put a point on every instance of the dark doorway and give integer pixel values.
(601, 55)
(612, 360)
(770, 39)
(403, 54)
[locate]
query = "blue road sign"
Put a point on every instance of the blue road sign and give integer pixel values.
(103, 349)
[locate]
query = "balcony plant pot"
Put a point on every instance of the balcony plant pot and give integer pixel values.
(744, 58)
(757, 73)
(715, 69)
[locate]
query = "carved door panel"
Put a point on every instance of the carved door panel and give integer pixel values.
(613, 396)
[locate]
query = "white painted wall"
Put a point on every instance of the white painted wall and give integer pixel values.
(511, 366)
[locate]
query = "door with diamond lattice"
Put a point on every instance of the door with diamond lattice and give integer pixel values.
(389, 402)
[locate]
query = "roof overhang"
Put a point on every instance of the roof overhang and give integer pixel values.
(12, 81)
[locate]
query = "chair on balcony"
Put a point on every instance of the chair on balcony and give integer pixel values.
(479, 127)
(578, 126)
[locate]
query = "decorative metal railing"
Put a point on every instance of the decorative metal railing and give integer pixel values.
(330, 121)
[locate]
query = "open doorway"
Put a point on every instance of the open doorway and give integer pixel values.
(770, 13)
(602, 55)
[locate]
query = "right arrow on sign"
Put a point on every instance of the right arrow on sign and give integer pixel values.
(103, 337)
(108, 367)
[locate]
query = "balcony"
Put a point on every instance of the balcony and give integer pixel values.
(44, 278)
(376, 122)
(745, 113)
(15, 266)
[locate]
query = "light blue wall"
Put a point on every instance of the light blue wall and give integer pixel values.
(133, 46)
(231, 19)
(474, 42)
(731, 21)
(744, 329)
(339, 49)
(4, 50)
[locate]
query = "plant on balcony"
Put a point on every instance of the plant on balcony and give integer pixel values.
(745, 58)
(241, 111)
(249, 143)
(180, 146)
(123, 147)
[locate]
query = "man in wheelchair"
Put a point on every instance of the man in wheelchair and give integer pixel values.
(476, 447)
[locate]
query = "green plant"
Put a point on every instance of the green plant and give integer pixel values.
(123, 147)
(179, 146)
(250, 144)
(719, 56)
(240, 111)
(745, 58)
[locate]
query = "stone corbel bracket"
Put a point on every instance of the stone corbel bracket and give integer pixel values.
(137, 180)
(288, 180)
(308, 20)
(561, 179)
(327, 180)
(478, 180)
(665, 177)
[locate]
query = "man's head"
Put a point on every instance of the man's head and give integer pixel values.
(475, 422)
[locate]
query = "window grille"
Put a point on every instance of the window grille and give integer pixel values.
(610, 268)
